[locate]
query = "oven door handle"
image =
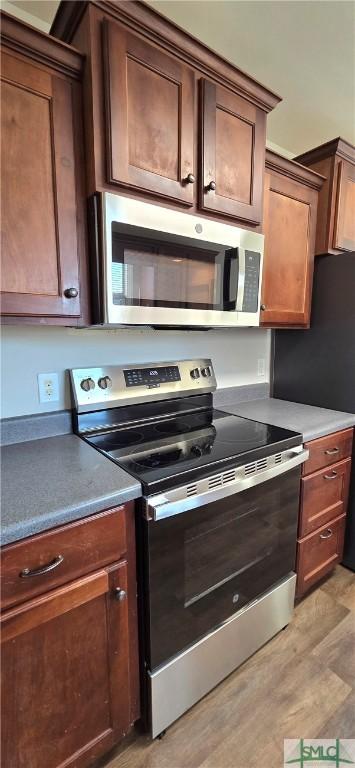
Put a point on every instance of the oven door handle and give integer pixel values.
(165, 505)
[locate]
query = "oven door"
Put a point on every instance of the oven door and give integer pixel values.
(168, 268)
(203, 565)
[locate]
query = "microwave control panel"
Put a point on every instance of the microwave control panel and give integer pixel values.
(251, 281)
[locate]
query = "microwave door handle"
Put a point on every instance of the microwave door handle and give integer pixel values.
(241, 279)
(230, 279)
(160, 506)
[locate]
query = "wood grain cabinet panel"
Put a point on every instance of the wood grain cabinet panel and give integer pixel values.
(232, 154)
(62, 554)
(344, 228)
(328, 450)
(318, 554)
(65, 673)
(336, 219)
(165, 115)
(39, 237)
(323, 507)
(290, 210)
(69, 642)
(324, 496)
(150, 116)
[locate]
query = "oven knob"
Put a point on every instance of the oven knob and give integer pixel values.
(87, 384)
(195, 373)
(206, 371)
(105, 382)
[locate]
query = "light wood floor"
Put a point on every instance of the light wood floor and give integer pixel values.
(301, 684)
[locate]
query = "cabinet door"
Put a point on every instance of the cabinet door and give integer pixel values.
(38, 203)
(65, 673)
(319, 553)
(344, 225)
(233, 154)
(289, 223)
(150, 116)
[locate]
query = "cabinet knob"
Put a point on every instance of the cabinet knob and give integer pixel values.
(120, 594)
(70, 293)
(211, 186)
(263, 307)
(190, 178)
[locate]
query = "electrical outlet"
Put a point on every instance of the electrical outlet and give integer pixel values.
(48, 387)
(261, 366)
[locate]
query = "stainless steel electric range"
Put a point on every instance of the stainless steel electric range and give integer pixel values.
(216, 525)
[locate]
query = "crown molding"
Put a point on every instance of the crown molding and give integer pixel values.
(142, 19)
(337, 146)
(24, 39)
(293, 170)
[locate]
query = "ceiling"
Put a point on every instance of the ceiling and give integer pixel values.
(302, 49)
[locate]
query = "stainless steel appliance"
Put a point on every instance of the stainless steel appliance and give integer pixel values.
(217, 523)
(317, 366)
(160, 267)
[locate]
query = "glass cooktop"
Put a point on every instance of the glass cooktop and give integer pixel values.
(172, 451)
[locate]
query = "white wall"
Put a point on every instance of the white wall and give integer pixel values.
(27, 351)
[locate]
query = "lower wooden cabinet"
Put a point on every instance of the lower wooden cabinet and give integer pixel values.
(323, 505)
(290, 214)
(319, 553)
(70, 668)
(324, 496)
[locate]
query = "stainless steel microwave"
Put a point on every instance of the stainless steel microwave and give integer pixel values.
(165, 268)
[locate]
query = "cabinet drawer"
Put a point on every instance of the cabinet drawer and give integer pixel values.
(328, 450)
(70, 551)
(318, 553)
(324, 496)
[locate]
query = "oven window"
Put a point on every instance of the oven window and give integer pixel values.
(150, 271)
(216, 554)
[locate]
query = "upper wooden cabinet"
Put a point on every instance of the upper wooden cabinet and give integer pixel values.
(336, 216)
(290, 214)
(150, 116)
(164, 115)
(232, 154)
(40, 96)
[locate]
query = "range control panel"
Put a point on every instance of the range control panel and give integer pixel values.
(151, 377)
(113, 385)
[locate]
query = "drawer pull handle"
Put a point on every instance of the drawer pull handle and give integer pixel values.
(331, 477)
(331, 452)
(120, 594)
(327, 534)
(27, 573)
